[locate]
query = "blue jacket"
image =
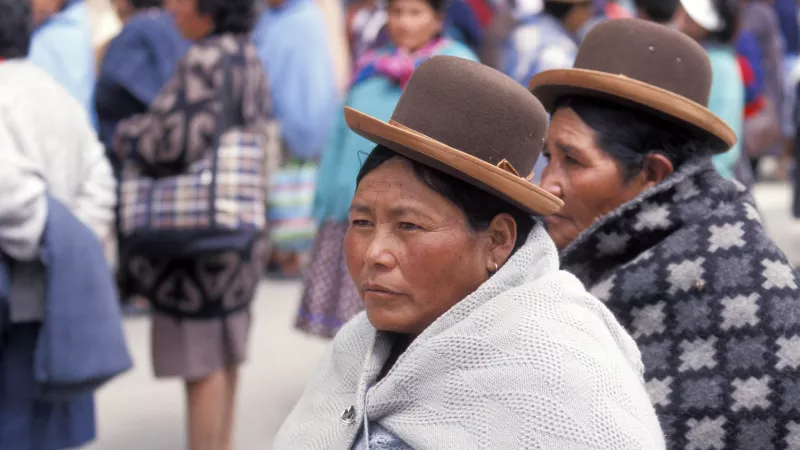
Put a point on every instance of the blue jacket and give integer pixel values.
(62, 47)
(292, 45)
(137, 64)
(49, 371)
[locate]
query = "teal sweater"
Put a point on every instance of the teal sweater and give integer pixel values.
(727, 102)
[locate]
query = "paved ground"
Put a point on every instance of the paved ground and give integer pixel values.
(138, 413)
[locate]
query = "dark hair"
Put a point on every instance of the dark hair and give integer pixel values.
(16, 25)
(230, 16)
(479, 206)
(142, 4)
(660, 11)
(629, 135)
(557, 9)
(730, 12)
(437, 5)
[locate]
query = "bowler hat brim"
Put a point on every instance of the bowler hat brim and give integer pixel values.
(552, 85)
(503, 183)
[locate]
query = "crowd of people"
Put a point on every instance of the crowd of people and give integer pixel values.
(523, 223)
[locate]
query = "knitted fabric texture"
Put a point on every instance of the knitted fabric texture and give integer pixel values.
(529, 360)
(713, 304)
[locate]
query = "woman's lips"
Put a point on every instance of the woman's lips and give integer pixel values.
(379, 291)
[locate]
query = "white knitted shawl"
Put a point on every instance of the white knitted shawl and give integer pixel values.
(528, 361)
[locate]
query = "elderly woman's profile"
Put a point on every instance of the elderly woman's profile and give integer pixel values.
(472, 337)
(676, 251)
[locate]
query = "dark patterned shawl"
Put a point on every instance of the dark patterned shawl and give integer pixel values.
(713, 304)
(183, 120)
(179, 128)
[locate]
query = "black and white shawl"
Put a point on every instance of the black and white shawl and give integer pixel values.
(713, 304)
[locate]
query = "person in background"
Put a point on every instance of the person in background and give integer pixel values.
(618, 9)
(195, 107)
(547, 40)
(333, 12)
(135, 66)
(291, 39)
(507, 14)
(787, 13)
(47, 148)
(105, 25)
(62, 46)
(714, 24)
(774, 127)
(329, 297)
(544, 41)
(676, 251)
(365, 22)
(658, 11)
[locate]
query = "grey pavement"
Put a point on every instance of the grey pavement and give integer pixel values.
(137, 412)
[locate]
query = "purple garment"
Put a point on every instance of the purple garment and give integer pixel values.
(759, 19)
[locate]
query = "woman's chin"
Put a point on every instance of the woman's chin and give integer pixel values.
(387, 320)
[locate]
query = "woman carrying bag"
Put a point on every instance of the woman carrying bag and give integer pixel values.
(192, 209)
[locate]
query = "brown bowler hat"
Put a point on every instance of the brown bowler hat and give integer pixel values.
(472, 122)
(646, 65)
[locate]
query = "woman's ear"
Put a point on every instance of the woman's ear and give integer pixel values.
(656, 168)
(502, 236)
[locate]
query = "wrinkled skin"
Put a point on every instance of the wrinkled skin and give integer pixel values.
(411, 252)
(586, 178)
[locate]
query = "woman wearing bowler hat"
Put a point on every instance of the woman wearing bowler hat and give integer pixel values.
(676, 251)
(472, 337)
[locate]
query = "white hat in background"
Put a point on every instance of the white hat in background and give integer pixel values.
(704, 13)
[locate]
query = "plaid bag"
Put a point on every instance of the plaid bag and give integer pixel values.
(217, 203)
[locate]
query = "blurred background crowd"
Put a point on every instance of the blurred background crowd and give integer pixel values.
(138, 72)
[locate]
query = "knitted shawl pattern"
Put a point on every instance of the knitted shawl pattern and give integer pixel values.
(713, 304)
(529, 360)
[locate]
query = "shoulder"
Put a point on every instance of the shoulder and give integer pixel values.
(207, 54)
(24, 82)
(351, 338)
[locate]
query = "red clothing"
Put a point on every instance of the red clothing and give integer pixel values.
(749, 78)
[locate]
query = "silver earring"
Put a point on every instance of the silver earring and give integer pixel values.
(496, 268)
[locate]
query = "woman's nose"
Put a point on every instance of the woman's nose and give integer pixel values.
(551, 183)
(379, 252)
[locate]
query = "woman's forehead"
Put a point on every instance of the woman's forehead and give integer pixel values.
(394, 186)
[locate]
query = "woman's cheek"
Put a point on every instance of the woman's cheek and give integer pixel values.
(353, 251)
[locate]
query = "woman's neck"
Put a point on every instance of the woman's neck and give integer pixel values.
(399, 346)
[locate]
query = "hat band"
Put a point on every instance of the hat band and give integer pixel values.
(502, 165)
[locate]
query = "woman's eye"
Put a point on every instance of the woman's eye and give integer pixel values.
(406, 226)
(360, 223)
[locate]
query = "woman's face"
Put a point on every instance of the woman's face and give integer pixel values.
(412, 23)
(585, 177)
(190, 22)
(410, 251)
